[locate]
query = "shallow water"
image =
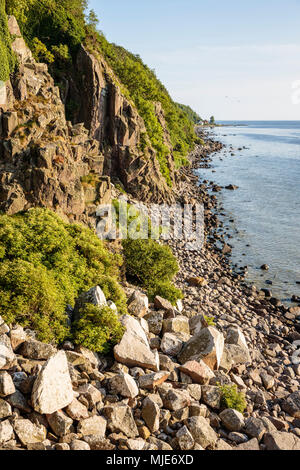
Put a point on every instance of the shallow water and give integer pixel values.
(266, 207)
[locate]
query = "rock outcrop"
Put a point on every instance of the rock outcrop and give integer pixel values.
(114, 121)
(45, 160)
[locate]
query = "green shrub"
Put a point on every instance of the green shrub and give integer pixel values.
(30, 296)
(209, 320)
(68, 258)
(40, 51)
(98, 329)
(166, 290)
(232, 398)
(153, 267)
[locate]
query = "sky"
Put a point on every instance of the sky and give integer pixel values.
(235, 60)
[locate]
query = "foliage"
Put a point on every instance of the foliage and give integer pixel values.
(192, 115)
(212, 120)
(148, 264)
(40, 51)
(30, 296)
(67, 258)
(232, 398)
(55, 24)
(98, 329)
(153, 267)
(7, 57)
(209, 320)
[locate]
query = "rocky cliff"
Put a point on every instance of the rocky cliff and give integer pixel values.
(114, 122)
(45, 160)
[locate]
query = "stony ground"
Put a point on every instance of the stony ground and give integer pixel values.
(160, 390)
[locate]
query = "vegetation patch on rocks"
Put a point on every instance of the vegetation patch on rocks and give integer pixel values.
(45, 264)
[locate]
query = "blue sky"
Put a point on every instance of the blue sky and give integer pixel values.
(233, 59)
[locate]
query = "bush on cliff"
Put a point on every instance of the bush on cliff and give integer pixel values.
(98, 329)
(52, 22)
(45, 264)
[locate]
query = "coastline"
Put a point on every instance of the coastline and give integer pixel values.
(269, 327)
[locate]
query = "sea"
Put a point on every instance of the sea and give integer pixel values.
(263, 215)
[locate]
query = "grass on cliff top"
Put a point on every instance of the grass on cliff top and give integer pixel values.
(45, 264)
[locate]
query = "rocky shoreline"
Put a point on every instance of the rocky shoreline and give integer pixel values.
(163, 388)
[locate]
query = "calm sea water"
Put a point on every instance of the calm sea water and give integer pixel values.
(266, 207)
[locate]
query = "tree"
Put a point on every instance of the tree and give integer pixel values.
(212, 120)
(92, 20)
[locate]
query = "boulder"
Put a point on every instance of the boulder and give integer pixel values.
(17, 400)
(151, 414)
(179, 324)
(233, 420)
(4, 328)
(277, 440)
(238, 354)
(207, 345)
(257, 427)
(198, 371)
(7, 356)
(92, 395)
(120, 420)
(171, 344)
(60, 423)
(123, 384)
(250, 445)
(7, 386)
(211, 396)
(138, 304)
(95, 425)
(155, 322)
(150, 381)
(28, 432)
(292, 405)
(79, 445)
(202, 432)
(77, 410)
(5, 409)
(133, 349)
(6, 431)
(52, 388)
(37, 350)
(185, 439)
(162, 304)
(176, 399)
(17, 337)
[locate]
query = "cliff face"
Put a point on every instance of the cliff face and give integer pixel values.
(114, 121)
(45, 160)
